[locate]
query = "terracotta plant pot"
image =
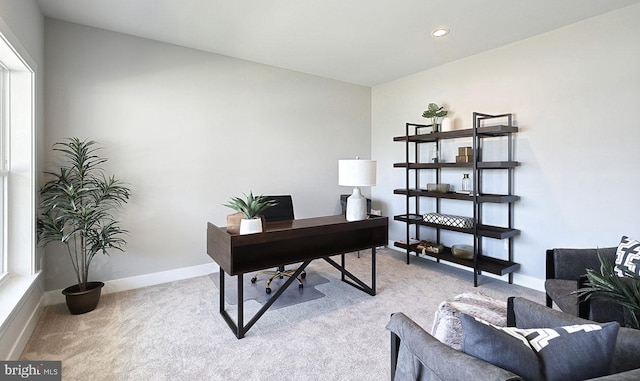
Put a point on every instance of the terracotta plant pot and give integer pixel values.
(80, 302)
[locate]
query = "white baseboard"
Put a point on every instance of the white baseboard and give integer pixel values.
(521, 280)
(124, 284)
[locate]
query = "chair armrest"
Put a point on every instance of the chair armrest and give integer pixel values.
(410, 341)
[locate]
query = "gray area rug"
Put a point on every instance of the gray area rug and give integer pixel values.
(256, 291)
(173, 331)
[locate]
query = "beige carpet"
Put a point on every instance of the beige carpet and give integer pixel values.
(174, 331)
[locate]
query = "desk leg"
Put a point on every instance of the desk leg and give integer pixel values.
(238, 327)
(221, 290)
(373, 269)
(352, 279)
(223, 312)
(241, 331)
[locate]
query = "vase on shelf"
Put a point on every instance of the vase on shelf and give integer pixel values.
(446, 125)
(466, 183)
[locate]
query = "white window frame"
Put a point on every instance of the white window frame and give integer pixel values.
(4, 165)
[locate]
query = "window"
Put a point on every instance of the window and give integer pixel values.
(18, 257)
(17, 161)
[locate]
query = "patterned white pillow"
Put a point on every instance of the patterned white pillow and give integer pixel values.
(570, 353)
(628, 256)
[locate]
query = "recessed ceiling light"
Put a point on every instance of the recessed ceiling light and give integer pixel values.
(440, 32)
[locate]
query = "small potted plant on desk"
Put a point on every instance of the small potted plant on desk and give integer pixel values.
(76, 210)
(250, 207)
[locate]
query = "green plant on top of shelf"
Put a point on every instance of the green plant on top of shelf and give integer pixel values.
(434, 112)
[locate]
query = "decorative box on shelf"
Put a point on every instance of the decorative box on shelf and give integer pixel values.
(449, 220)
(465, 155)
(440, 188)
(430, 247)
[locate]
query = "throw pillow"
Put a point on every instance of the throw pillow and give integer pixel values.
(628, 256)
(446, 323)
(576, 352)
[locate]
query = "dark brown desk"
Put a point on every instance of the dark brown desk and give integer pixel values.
(287, 242)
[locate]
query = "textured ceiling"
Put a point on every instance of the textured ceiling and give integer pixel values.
(366, 42)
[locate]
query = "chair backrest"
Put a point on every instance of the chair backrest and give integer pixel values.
(282, 211)
(571, 264)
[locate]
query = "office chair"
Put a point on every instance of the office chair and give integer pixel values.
(282, 211)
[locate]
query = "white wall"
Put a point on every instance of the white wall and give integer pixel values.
(575, 93)
(187, 130)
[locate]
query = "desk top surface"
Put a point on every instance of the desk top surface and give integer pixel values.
(306, 223)
(292, 241)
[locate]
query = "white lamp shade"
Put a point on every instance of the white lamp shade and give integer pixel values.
(357, 173)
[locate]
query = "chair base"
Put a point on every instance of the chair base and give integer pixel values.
(280, 273)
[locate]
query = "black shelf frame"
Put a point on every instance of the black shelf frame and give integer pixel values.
(413, 137)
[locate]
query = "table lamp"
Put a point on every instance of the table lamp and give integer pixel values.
(356, 173)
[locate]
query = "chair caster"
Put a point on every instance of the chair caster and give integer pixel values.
(254, 279)
(303, 275)
(267, 290)
(300, 285)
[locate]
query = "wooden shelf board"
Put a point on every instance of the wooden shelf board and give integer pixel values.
(500, 130)
(481, 165)
(485, 197)
(488, 264)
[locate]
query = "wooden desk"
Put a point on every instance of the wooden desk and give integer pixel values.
(287, 242)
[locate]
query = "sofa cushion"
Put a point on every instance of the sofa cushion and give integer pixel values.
(560, 290)
(575, 352)
(628, 256)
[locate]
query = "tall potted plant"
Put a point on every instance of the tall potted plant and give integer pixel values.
(77, 206)
(250, 207)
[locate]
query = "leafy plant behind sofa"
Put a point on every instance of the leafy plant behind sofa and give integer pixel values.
(607, 285)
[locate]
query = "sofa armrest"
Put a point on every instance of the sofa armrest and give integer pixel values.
(523, 313)
(417, 355)
(631, 375)
(627, 354)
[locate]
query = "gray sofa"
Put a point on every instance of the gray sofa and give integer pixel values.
(416, 355)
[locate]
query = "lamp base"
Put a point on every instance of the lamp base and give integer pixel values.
(356, 206)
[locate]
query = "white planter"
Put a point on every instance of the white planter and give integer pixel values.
(250, 226)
